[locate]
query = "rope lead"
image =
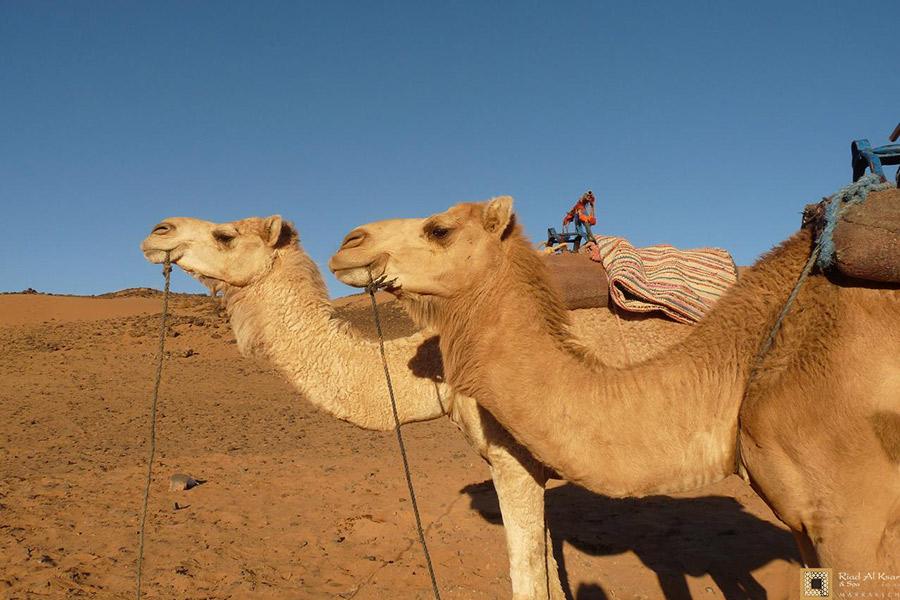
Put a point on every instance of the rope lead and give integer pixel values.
(167, 272)
(373, 286)
(371, 289)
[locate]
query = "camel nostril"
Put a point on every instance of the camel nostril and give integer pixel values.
(163, 228)
(353, 239)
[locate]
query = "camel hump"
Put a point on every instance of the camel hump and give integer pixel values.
(866, 236)
(580, 281)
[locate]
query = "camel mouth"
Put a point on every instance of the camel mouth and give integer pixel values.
(359, 271)
(154, 249)
(358, 277)
(361, 277)
(158, 256)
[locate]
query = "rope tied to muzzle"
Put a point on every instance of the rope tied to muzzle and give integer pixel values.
(374, 286)
(167, 272)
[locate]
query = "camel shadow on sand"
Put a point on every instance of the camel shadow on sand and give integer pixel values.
(674, 537)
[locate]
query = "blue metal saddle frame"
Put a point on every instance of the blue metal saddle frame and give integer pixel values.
(867, 157)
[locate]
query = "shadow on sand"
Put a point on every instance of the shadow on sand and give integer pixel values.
(674, 537)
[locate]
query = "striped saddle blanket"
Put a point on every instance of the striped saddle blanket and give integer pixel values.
(683, 284)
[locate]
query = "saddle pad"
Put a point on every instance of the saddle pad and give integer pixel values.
(683, 284)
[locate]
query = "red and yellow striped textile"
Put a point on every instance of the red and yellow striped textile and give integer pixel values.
(683, 284)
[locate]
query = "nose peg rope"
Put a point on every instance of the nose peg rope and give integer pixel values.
(167, 272)
(375, 285)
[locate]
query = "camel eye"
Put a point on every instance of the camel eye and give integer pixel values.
(439, 233)
(223, 238)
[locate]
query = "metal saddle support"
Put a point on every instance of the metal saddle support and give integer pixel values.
(864, 156)
(554, 238)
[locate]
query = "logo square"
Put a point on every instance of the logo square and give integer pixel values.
(816, 583)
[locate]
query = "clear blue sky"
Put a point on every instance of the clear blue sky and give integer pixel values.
(702, 123)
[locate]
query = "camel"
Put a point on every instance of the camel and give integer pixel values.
(819, 429)
(279, 311)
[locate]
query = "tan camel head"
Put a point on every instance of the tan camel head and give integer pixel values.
(434, 257)
(235, 253)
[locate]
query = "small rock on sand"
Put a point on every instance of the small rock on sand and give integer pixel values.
(180, 481)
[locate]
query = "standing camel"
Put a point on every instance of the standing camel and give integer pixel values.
(819, 430)
(279, 310)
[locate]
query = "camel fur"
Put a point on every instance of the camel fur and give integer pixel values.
(818, 429)
(279, 310)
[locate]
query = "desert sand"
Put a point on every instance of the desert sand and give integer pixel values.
(295, 504)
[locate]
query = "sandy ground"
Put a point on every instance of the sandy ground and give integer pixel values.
(295, 504)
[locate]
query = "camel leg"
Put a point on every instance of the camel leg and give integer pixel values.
(520, 490)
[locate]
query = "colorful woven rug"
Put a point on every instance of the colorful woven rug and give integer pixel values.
(683, 284)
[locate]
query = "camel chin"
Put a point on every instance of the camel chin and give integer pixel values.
(358, 277)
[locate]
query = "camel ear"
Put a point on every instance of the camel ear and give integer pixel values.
(272, 230)
(498, 213)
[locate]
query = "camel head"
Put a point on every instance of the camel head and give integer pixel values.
(435, 257)
(218, 254)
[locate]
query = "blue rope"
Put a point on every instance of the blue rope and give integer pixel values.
(855, 193)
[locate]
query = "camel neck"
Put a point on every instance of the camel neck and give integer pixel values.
(664, 425)
(286, 318)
